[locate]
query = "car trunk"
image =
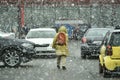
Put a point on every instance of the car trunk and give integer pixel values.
(115, 52)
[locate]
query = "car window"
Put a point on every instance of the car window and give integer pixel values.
(105, 41)
(115, 39)
(41, 34)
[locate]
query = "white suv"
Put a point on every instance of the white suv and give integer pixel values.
(43, 38)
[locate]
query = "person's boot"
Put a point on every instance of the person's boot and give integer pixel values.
(63, 67)
(58, 66)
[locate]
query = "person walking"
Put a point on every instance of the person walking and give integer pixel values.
(61, 47)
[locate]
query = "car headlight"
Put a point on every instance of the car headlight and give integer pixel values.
(28, 45)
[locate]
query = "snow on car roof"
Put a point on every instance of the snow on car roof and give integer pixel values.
(103, 28)
(42, 29)
(118, 30)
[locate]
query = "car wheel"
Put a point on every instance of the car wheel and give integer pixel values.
(11, 58)
(105, 73)
(100, 68)
(83, 56)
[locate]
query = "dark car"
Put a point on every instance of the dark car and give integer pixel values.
(91, 41)
(15, 51)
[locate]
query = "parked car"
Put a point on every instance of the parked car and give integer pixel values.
(13, 52)
(7, 34)
(109, 58)
(43, 38)
(91, 41)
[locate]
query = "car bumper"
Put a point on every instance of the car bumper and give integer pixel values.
(90, 50)
(44, 51)
(29, 53)
(112, 64)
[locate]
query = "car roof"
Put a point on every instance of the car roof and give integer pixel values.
(100, 28)
(118, 30)
(42, 29)
(110, 29)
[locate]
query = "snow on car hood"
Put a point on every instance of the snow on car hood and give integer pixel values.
(9, 35)
(41, 41)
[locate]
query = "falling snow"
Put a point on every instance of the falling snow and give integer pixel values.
(96, 15)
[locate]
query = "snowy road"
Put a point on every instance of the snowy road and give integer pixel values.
(45, 69)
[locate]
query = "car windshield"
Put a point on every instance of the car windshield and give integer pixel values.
(115, 39)
(41, 34)
(97, 32)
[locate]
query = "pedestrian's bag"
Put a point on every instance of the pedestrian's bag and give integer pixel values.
(61, 39)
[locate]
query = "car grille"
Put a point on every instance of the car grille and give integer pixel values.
(90, 48)
(93, 44)
(41, 45)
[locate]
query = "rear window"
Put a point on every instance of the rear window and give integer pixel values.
(41, 34)
(115, 39)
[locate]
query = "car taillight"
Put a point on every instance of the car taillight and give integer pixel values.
(109, 50)
(84, 40)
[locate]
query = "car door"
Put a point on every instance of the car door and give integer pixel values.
(104, 44)
(103, 47)
(2, 43)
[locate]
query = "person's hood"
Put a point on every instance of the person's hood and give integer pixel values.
(62, 29)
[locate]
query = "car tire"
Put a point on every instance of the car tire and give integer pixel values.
(105, 73)
(11, 58)
(83, 56)
(100, 68)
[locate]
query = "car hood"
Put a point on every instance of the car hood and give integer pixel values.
(15, 41)
(9, 35)
(94, 40)
(41, 41)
